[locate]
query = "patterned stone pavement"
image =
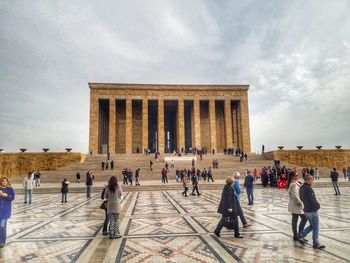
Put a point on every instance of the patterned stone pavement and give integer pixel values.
(164, 226)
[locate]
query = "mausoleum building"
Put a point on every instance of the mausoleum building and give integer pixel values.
(127, 117)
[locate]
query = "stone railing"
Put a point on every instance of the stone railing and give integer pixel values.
(16, 164)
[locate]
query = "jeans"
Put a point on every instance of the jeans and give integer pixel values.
(28, 195)
(250, 195)
(314, 227)
(37, 182)
(88, 191)
(105, 223)
(336, 187)
(3, 225)
(241, 215)
(64, 197)
(302, 224)
(164, 179)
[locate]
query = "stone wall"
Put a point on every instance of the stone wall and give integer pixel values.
(18, 164)
(315, 158)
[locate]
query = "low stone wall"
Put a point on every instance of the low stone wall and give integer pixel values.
(315, 158)
(18, 164)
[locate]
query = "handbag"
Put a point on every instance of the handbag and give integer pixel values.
(104, 205)
(230, 222)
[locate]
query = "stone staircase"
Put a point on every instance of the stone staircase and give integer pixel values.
(227, 165)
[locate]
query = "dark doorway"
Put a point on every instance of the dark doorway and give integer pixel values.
(188, 124)
(170, 125)
(153, 125)
(103, 126)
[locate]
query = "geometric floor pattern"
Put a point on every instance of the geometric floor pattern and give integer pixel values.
(164, 226)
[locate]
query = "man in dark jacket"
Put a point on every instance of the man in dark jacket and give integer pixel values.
(228, 208)
(311, 207)
(334, 175)
(248, 184)
(195, 184)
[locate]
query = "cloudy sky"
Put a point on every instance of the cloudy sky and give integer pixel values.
(294, 54)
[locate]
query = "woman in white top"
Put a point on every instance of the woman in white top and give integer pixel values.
(295, 206)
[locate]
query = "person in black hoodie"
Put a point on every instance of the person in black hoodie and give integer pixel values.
(311, 207)
(228, 208)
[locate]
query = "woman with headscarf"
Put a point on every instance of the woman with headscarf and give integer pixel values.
(7, 195)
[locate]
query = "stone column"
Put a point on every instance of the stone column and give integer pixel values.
(128, 126)
(93, 138)
(144, 123)
(239, 125)
(212, 120)
(197, 124)
(160, 125)
(181, 124)
(111, 140)
(235, 127)
(245, 130)
(228, 123)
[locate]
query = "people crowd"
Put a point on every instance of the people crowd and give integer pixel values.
(303, 204)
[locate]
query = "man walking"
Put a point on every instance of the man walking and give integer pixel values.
(210, 175)
(311, 207)
(28, 184)
(195, 185)
(137, 177)
(164, 176)
(334, 175)
(248, 184)
(150, 165)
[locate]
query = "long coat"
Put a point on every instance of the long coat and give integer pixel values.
(295, 206)
(113, 200)
(5, 202)
(228, 201)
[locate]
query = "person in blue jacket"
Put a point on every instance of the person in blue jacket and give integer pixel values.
(237, 188)
(7, 195)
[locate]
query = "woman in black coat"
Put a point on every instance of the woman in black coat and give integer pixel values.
(228, 208)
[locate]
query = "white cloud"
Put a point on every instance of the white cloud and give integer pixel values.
(294, 54)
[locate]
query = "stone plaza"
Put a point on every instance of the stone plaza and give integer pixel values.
(163, 226)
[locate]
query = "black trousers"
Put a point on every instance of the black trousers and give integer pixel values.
(221, 225)
(195, 188)
(302, 224)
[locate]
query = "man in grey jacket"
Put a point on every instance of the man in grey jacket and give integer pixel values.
(311, 207)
